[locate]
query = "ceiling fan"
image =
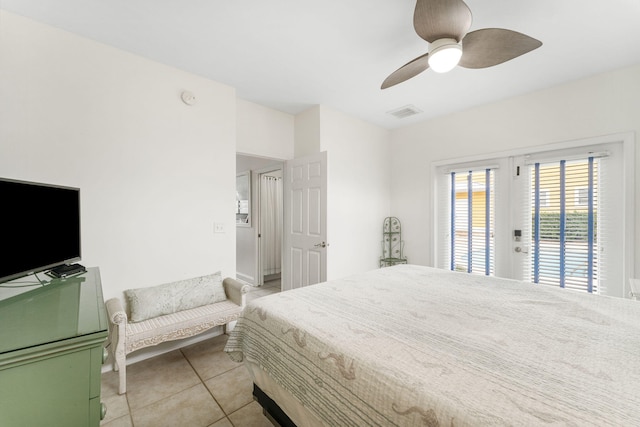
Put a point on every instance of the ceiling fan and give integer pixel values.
(445, 25)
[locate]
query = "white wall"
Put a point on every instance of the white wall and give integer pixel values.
(155, 174)
(264, 132)
(358, 186)
(307, 132)
(600, 105)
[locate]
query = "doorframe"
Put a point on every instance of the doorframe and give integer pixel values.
(259, 276)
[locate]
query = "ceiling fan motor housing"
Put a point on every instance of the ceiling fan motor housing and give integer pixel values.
(444, 54)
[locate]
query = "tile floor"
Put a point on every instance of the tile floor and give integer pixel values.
(195, 386)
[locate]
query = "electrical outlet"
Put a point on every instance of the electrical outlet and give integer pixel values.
(218, 227)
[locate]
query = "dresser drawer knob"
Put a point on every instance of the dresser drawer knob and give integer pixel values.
(103, 411)
(105, 354)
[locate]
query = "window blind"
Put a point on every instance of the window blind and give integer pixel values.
(565, 228)
(595, 215)
(472, 221)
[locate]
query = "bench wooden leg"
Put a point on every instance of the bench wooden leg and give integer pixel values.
(122, 364)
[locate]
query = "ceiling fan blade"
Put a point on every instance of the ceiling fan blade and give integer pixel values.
(439, 19)
(407, 71)
(492, 46)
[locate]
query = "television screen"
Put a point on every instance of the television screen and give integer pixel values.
(39, 227)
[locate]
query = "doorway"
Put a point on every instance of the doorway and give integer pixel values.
(270, 223)
(251, 256)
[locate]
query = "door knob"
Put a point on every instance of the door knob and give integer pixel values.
(321, 245)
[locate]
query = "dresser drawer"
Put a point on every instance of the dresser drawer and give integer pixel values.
(49, 392)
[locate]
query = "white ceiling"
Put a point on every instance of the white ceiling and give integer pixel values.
(292, 54)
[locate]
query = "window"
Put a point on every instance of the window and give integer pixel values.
(581, 196)
(544, 198)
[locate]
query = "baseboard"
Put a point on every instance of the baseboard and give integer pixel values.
(246, 278)
(270, 277)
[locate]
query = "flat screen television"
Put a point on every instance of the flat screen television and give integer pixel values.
(39, 227)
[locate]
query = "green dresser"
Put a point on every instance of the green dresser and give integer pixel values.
(51, 353)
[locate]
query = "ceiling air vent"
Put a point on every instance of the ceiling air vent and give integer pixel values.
(404, 112)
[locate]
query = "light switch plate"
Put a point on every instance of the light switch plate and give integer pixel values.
(218, 227)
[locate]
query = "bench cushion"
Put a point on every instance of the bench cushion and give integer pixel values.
(178, 325)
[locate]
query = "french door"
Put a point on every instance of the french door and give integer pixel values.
(554, 217)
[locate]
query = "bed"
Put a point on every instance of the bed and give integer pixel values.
(417, 346)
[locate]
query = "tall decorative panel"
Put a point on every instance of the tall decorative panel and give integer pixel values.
(392, 243)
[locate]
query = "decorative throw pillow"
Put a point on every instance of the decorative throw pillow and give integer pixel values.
(146, 303)
(198, 291)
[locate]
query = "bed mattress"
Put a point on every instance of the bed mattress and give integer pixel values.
(416, 346)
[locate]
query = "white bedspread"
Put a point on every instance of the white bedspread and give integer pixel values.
(416, 346)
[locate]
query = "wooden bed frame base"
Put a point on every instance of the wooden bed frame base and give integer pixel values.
(271, 410)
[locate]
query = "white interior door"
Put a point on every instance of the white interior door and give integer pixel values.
(305, 218)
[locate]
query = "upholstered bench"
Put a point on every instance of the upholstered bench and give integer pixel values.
(169, 312)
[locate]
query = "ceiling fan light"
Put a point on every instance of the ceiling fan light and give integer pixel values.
(444, 55)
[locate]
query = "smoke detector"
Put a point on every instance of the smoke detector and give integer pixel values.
(188, 97)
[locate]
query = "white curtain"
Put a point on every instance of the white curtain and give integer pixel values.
(271, 223)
